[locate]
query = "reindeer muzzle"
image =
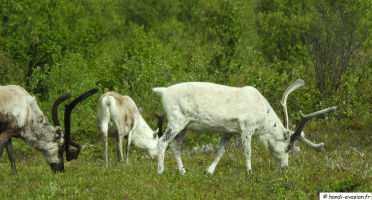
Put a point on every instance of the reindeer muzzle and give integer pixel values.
(57, 167)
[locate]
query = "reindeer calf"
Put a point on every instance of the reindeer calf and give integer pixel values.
(118, 117)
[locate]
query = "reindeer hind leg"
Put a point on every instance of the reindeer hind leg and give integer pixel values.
(9, 149)
(224, 141)
(104, 133)
(119, 146)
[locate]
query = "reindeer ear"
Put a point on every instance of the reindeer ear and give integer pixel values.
(59, 130)
(287, 134)
(295, 150)
(59, 134)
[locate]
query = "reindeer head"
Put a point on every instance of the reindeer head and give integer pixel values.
(152, 144)
(64, 140)
(288, 143)
(152, 152)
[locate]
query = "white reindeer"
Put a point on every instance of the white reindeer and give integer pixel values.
(20, 117)
(211, 108)
(118, 117)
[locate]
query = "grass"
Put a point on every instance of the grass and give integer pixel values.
(345, 166)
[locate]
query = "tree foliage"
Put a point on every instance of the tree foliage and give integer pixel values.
(55, 46)
(336, 38)
(222, 22)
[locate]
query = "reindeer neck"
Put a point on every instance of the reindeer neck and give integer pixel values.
(39, 136)
(143, 129)
(271, 127)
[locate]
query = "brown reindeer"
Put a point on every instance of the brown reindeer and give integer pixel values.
(20, 117)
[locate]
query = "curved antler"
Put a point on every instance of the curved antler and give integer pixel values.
(56, 104)
(304, 119)
(297, 84)
(160, 123)
(70, 155)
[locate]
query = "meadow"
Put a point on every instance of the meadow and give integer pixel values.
(52, 47)
(344, 166)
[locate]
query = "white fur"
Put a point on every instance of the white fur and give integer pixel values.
(118, 116)
(211, 108)
(20, 114)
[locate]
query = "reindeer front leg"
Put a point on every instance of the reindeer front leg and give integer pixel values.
(6, 141)
(246, 140)
(162, 145)
(168, 136)
(129, 140)
(176, 147)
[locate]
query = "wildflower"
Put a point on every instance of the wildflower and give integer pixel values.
(363, 154)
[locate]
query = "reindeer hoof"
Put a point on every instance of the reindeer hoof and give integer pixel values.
(208, 172)
(183, 172)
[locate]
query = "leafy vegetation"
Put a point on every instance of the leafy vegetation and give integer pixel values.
(132, 46)
(50, 47)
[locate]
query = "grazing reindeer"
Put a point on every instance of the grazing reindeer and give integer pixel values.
(211, 108)
(20, 117)
(118, 117)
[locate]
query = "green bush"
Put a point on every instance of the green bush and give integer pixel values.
(10, 72)
(52, 47)
(71, 75)
(350, 184)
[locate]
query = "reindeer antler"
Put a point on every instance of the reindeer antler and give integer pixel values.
(160, 122)
(304, 119)
(56, 104)
(70, 155)
(297, 84)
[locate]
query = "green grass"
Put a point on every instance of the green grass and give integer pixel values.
(345, 166)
